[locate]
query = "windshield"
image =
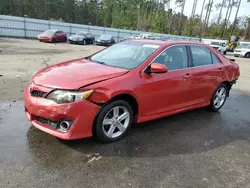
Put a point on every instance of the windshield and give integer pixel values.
(49, 32)
(127, 55)
(244, 46)
(81, 34)
(105, 37)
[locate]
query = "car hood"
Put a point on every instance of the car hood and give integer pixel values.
(80, 36)
(43, 35)
(242, 49)
(75, 74)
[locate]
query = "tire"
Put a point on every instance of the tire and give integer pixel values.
(216, 106)
(53, 40)
(225, 52)
(65, 39)
(112, 129)
(247, 55)
(84, 42)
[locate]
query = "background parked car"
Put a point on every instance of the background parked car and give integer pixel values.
(82, 38)
(242, 51)
(52, 36)
(144, 36)
(127, 38)
(219, 46)
(105, 40)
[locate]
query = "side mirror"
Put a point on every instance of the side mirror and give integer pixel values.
(157, 68)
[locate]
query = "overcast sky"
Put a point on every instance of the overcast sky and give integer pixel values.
(244, 8)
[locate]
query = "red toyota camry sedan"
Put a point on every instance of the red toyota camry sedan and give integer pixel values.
(52, 36)
(131, 81)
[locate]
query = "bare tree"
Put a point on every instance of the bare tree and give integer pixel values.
(209, 12)
(231, 33)
(221, 7)
(201, 17)
(192, 16)
(180, 20)
(224, 28)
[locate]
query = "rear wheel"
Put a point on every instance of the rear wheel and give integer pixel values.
(65, 39)
(113, 121)
(219, 97)
(247, 55)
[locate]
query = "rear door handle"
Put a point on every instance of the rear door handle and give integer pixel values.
(187, 75)
(219, 69)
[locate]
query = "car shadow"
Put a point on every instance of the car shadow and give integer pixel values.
(186, 133)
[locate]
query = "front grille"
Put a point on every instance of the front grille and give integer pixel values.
(47, 122)
(37, 93)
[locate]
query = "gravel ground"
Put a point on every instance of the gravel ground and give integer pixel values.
(21, 58)
(193, 149)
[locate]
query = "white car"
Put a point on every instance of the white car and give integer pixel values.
(143, 36)
(242, 51)
(219, 46)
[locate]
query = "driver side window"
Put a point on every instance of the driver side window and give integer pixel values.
(174, 58)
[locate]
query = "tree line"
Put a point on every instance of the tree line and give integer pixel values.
(144, 15)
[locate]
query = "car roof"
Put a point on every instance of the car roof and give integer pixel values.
(167, 43)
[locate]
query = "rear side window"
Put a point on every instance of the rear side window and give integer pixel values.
(201, 56)
(215, 59)
(174, 58)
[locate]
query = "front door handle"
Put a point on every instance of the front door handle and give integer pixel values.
(187, 75)
(219, 69)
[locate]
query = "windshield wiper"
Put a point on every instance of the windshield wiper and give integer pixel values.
(101, 62)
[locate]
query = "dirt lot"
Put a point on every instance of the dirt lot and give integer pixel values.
(196, 149)
(21, 58)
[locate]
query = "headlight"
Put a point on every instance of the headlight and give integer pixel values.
(98, 40)
(63, 96)
(70, 38)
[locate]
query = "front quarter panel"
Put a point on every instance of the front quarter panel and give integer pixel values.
(106, 90)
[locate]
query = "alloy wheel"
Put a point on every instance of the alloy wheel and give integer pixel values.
(220, 97)
(116, 122)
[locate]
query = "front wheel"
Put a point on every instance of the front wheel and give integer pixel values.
(53, 40)
(113, 121)
(219, 97)
(247, 55)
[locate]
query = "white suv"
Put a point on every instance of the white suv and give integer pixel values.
(242, 51)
